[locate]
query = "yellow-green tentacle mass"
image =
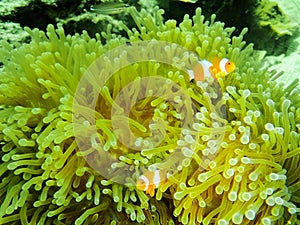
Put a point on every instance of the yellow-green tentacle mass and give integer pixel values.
(249, 174)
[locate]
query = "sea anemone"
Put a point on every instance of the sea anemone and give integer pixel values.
(238, 162)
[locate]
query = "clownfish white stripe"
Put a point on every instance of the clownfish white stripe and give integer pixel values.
(191, 74)
(156, 178)
(146, 181)
(223, 65)
(206, 67)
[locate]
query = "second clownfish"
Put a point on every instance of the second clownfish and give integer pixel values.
(150, 180)
(216, 66)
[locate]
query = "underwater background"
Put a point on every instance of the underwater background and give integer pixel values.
(75, 141)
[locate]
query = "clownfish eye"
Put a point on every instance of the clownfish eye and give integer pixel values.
(140, 182)
(140, 185)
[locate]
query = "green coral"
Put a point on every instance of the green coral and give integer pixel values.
(271, 15)
(247, 175)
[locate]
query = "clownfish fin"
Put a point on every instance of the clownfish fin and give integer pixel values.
(198, 72)
(151, 190)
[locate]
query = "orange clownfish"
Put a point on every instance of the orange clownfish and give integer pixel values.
(150, 180)
(205, 68)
